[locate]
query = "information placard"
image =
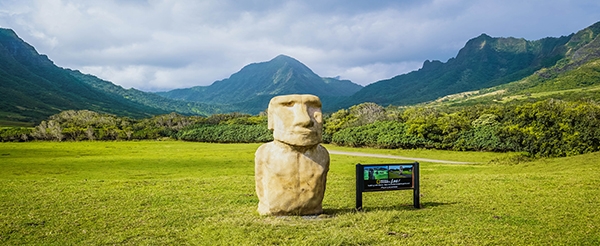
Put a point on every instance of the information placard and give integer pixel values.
(386, 177)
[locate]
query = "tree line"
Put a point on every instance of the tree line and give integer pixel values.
(82, 125)
(547, 128)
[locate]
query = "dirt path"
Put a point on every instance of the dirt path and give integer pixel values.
(335, 152)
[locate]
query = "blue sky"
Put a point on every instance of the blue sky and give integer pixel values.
(158, 45)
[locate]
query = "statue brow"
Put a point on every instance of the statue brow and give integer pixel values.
(315, 102)
(283, 101)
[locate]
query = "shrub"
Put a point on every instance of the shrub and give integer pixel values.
(225, 133)
(15, 134)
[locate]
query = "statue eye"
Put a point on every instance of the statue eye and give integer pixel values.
(287, 104)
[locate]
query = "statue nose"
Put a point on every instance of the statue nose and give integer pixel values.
(301, 116)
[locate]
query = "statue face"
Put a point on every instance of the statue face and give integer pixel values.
(296, 119)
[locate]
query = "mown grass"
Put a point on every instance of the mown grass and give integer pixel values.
(548, 93)
(195, 193)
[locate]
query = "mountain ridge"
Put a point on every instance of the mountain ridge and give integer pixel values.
(483, 62)
(574, 77)
(34, 87)
(256, 81)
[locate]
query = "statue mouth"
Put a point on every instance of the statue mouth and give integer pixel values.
(304, 134)
(303, 131)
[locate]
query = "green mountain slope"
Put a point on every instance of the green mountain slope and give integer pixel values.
(251, 87)
(575, 77)
(150, 99)
(483, 62)
(33, 88)
(486, 70)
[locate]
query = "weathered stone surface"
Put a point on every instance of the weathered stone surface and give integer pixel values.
(291, 171)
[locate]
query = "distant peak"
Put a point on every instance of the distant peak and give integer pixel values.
(481, 39)
(483, 35)
(283, 58)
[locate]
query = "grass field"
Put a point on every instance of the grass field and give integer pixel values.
(174, 193)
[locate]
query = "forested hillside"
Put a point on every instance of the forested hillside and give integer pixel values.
(483, 62)
(575, 77)
(33, 88)
(150, 99)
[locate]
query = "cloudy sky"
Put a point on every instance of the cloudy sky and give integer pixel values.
(157, 45)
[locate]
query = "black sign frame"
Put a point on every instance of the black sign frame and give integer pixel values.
(387, 177)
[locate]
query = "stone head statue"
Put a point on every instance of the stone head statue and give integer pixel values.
(296, 119)
(291, 171)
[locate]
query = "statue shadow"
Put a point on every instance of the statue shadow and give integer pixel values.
(399, 207)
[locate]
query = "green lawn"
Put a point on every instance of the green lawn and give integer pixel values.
(177, 193)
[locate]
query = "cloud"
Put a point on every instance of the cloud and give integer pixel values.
(166, 44)
(149, 77)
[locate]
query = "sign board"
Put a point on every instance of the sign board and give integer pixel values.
(386, 177)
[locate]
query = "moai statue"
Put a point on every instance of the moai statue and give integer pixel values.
(291, 171)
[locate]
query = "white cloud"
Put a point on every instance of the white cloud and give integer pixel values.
(365, 74)
(166, 44)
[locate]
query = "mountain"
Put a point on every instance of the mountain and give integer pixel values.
(575, 77)
(483, 62)
(485, 70)
(33, 88)
(251, 88)
(150, 99)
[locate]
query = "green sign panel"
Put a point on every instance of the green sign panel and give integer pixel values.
(386, 177)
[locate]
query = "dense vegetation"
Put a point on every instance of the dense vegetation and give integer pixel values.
(82, 125)
(546, 128)
(230, 128)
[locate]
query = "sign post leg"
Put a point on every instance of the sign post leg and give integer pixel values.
(416, 189)
(359, 186)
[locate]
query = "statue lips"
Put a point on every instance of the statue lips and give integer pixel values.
(303, 131)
